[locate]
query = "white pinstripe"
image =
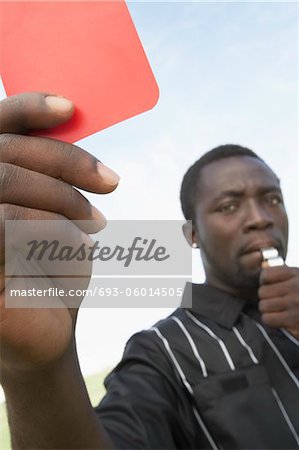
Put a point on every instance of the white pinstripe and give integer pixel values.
(244, 344)
(281, 359)
(193, 346)
(290, 336)
(285, 415)
(213, 335)
(186, 384)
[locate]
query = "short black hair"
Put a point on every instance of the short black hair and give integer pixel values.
(190, 183)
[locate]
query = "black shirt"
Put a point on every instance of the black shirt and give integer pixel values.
(208, 377)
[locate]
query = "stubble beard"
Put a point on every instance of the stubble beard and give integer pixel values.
(236, 277)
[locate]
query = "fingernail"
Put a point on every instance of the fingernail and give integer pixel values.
(98, 217)
(59, 104)
(109, 176)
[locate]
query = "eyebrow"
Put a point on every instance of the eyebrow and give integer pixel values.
(240, 193)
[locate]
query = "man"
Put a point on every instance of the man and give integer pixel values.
(223, 374)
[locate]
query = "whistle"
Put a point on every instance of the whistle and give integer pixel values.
(271, 257)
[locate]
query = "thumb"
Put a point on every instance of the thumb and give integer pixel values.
(33, 111)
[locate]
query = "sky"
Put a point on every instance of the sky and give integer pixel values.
(227, 73)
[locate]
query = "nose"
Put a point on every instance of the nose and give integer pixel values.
(257, 217)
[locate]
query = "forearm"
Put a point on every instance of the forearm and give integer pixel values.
(50, 409)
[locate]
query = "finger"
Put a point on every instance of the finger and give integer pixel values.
(283, 319)
(272, 305)
(23, 112)
(11, 215)
(276, 274)
(276, 319)
(14, 213)
(53, 195)
(58, 160)
(279, 289)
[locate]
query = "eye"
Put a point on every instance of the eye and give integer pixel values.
(274, 199)
(228, 208)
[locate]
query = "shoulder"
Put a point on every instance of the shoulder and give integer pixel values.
(147, 350)
(148, 341)
(154, 338)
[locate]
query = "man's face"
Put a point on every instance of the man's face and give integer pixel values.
(239, 210)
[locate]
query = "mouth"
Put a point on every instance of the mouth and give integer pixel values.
(257, 246)
(252, 255)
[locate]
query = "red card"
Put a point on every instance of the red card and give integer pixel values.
(88, 52)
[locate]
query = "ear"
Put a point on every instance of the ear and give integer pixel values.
(190, 234)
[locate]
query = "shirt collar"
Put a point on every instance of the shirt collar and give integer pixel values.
(214, 304)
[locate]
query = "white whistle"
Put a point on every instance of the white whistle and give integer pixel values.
(271, 257)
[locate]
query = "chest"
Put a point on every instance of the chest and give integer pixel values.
(243, 392)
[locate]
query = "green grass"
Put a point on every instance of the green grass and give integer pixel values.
(4, 432)
(95, 388)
